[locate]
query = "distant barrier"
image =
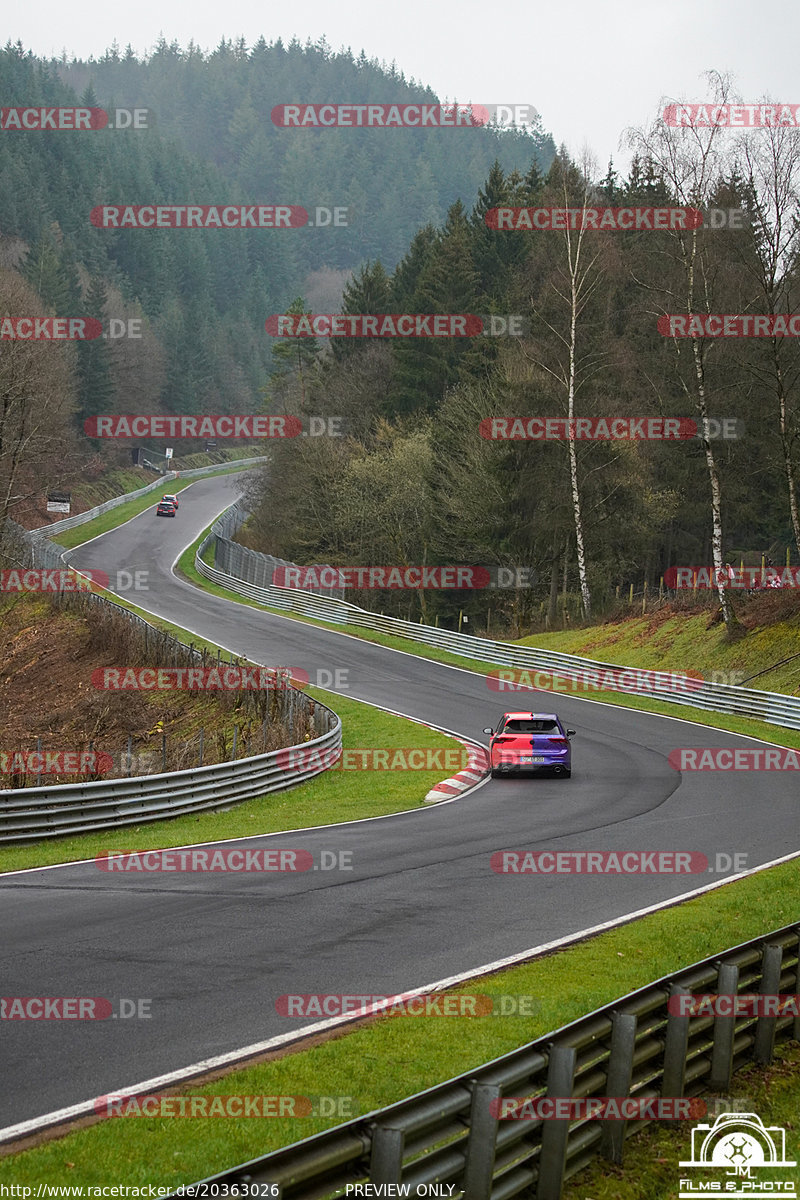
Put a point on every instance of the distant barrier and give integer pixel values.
(771, 707)
(108, 505)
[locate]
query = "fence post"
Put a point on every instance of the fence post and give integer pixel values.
(771, 962)
(618, 1081)
(386, 1160)
(675, 1048)
(39, 760)
(722, 1053)
(482, 1140)
(553, 1156)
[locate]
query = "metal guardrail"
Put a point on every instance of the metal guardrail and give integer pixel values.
(35, 813)
(771, 707)
(633, 1047)
(108, 505)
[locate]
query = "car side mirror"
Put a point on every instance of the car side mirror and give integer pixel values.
(570, 733)
(488, 731)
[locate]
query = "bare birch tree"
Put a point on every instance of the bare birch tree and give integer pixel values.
(691, 160)
(771, 160)
(576, 279)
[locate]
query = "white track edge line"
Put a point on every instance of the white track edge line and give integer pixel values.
(87, 1107)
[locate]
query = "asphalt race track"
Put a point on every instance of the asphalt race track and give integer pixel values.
(213, 952)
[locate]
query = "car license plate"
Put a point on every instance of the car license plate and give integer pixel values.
(529, 759)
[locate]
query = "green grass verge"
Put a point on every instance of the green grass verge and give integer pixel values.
(495, 701)
(332, 797)
(390, 1058)
(686, 643)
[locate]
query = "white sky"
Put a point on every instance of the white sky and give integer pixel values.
(591, 69)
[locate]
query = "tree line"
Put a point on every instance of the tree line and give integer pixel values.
(415, 482)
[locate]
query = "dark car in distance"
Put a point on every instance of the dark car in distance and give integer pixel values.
(165, 509)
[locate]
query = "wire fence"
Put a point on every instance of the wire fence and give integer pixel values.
(251, 566)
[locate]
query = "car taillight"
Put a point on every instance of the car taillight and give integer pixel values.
(558, 741)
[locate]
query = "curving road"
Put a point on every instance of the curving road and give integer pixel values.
(212, 952)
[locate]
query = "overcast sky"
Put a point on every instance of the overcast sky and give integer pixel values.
(591, 69)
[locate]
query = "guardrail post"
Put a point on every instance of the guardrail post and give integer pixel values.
(555, 1134)
(386, 1160)
(675, 1047)
(722, 1053)
(479, 1168)
(771, 962)
(618, 1081)
(796, 1026)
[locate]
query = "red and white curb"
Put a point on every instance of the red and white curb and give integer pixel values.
(476, 769)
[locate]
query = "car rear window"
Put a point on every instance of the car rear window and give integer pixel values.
(530, 727)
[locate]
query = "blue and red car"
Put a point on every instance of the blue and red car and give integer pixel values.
(530, 741)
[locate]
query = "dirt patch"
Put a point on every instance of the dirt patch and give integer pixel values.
(46, 692)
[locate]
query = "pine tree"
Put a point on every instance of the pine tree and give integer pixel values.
(95, 387)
